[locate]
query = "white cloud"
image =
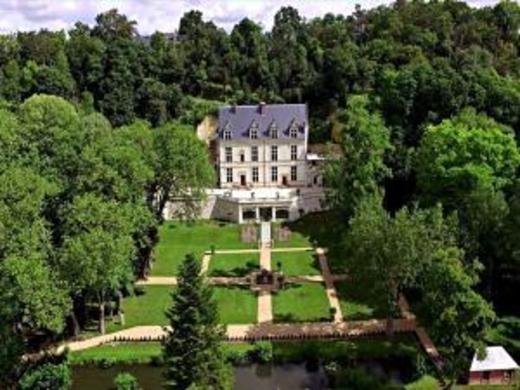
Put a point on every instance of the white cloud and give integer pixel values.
(153, 15)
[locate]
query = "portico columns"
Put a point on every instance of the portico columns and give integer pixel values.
(273, 214)
(257, 214)
(240, 214)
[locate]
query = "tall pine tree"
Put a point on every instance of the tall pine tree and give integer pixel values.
(192, 350)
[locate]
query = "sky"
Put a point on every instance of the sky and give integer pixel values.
(164, 15)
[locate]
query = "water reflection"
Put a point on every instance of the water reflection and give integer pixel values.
(256, 376)
(282, 377)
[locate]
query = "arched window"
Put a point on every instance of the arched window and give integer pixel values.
(293, 130)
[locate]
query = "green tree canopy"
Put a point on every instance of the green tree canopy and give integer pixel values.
(97, 248)
(359, 171)
(451, 302)
(182, 168)
(192, 352)
(32, 296)
(461, 155)
(47, 376)
(388, 253)
(49, 127)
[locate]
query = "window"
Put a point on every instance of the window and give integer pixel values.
(229, 154)
(294, 152)
(273, 130)
(227, 134)
(229, 175)
(274, 153)
(282, 214)
(294, 173)
(293, 131)
(253, 130)
(242, 156)
(254, 153)
(254, 174)
(274, 174)
(248, 214)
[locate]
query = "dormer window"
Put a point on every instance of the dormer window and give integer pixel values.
(273, 130)
(293, 130)
(227, 132)
(253, 131)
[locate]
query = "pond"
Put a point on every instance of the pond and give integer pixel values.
(286, 376)
(255, 376)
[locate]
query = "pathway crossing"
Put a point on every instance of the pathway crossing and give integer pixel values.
(265, 329)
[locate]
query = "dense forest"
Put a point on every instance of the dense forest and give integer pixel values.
(418, 62)
(96, 131)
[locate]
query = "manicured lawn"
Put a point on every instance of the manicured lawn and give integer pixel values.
(296, 263)
(357, 302)
(147, 308)
(236, 305)
(176, 239)
(324, 228)
(283, 352)
(119, 353)
(140, 352)
(304, 302)
(295, 240)
(236, 264)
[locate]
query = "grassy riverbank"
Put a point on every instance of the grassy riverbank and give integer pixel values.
(297, 351)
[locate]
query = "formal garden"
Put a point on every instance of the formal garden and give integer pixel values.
(179, 238)
(314, 292)
(311, 292)
(230, 262)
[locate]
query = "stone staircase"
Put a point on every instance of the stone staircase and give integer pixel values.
(265, 233)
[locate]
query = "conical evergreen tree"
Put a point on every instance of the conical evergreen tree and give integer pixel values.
(192, 350)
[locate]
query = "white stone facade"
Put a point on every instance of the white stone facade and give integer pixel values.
(265, 172)
(247, 206)
(277, 162)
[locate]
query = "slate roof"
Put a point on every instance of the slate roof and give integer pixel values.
(238, 119)
(496, 358)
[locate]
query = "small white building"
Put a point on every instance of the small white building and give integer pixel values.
(496, 368)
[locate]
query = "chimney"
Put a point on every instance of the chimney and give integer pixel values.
(261, 108)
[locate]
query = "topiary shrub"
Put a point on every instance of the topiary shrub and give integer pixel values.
(126, 381)
(237, 358)
(106, 363)
(263, 352)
